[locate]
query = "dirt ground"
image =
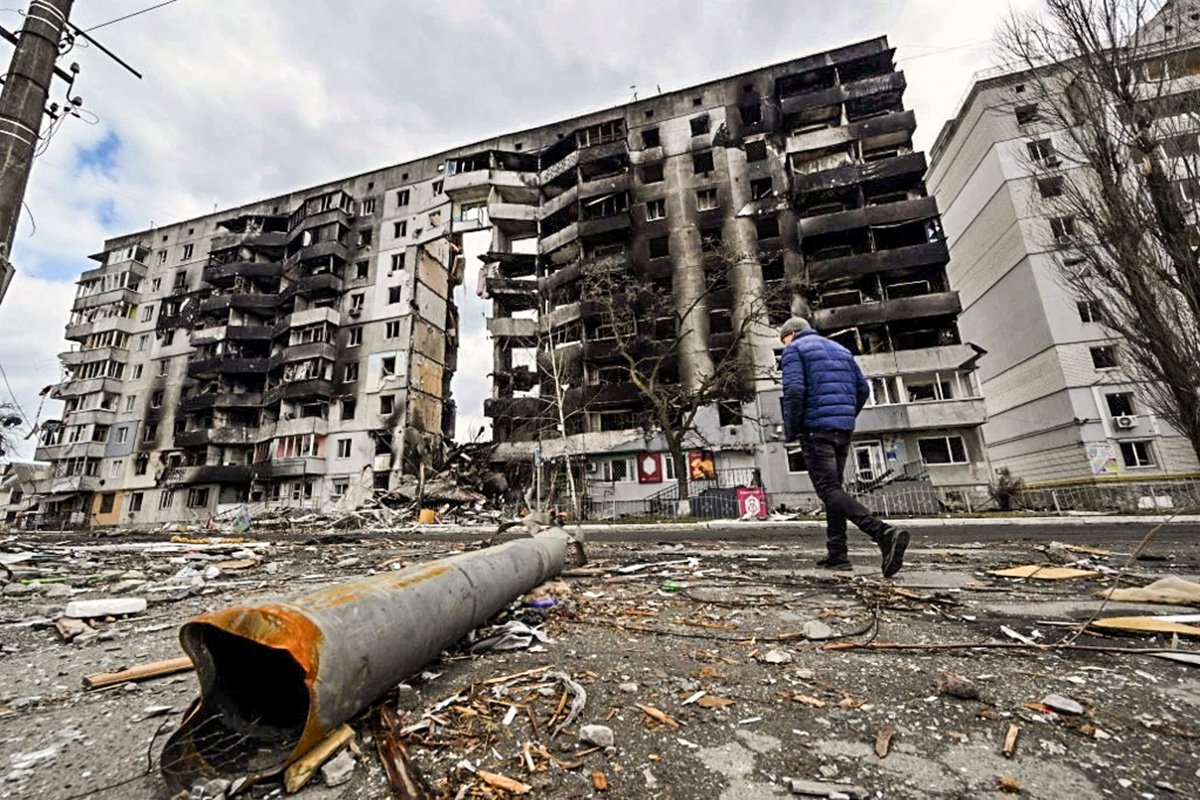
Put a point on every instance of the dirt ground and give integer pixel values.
(693, 654)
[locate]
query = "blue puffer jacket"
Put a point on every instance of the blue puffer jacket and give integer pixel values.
(823, 388)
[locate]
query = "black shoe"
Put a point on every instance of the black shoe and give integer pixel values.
(839, 564)
(893, 544)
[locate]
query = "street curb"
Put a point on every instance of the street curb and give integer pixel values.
(733, 525)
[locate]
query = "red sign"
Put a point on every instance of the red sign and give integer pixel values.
(752, 502)
(649, 466)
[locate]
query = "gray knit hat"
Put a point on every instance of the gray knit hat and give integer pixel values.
(793, 325)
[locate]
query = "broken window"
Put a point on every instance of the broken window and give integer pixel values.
(162, 257)
(660, 247)
(1041, 151)
(355, 337)
(362, 270)
(394, 293)
(943, 450)
(1050, 187)
(650, 137)
(348, 409)
(1120, 404)
(1062, 228)
(150, 432)
(399, 229)
(392, 329)
(706, 200)
(388, 366)
(351, 373)
(156, 399)
(1027, 114)
(397, 261)
(652, 173)
(710, 239)
(796, 461)
(437, 187)
(751, 114)
(166, 498)
(600, 134)
(168, 338)
(767, 227)
(367, 207)
(729, 413)
(364, 237)
(656, 209)
(402, 197)
(1137, 454)
(387, 404)
(141, 464)
(356, 301)
(700, 125)
(761, 188)
(187, 251)
(702, 163)
(197, 498)
(1104, 357)
(1089, 311)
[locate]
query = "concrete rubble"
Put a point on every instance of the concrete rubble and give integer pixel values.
(715, 687)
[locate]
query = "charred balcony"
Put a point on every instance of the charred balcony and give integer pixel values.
(929, 254)
(912, 164)
(227, 364)
(316, 388)
(849, 92)
(512, 265)
(226, 274)
(520, 408)
(203, 402)
(241, 435)
(238, 474)
(928, 305)
(518, 379)
(833, 221)
(303, 352)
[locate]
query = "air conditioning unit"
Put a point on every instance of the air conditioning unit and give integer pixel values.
(1125, 421)
(593, 466)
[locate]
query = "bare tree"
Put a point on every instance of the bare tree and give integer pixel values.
(655, 332)
(1117, 89)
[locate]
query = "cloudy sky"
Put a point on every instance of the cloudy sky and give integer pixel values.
(248, 98)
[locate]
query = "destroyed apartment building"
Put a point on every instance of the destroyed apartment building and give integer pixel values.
(291, 349)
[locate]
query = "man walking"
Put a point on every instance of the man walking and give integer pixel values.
(823, 392)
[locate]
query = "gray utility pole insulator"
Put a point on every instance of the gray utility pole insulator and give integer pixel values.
(22, 103)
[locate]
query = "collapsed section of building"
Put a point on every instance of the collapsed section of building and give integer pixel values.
(290, 350)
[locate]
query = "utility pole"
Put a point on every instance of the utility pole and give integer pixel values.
(22, 104)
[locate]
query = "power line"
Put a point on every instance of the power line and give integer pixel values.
(13, 395)
(128, 16)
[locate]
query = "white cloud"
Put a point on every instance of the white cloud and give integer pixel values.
(244, 100)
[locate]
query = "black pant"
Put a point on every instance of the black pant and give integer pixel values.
(825, 453)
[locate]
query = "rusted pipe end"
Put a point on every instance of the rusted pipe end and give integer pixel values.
(256, 668)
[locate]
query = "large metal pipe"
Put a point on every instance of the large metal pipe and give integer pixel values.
(275, 678)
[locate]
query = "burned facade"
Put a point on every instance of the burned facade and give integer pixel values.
(276, 351)
(805, 172)
(283, 352)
